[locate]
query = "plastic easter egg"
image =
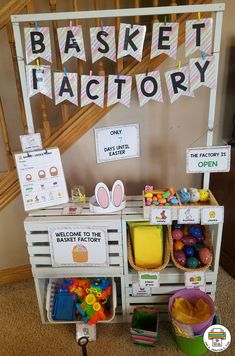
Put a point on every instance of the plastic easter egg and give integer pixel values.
(170, 197)
(149, 199)
(178, 226)
(159, 196)
(177, 234)
(172, 191)
(155, 198)
(189, 251)
(148, 195)
(195, 231)
(167, 204)
(185, 230)
(205, 255)
(192, 262)
(174, 201)
(189, 240)
(204, 194)
(200, 239)
(184, 195)
(166, 194)
(198, 247)
(194, 195)
(162, 201)
(178, 245)
(155, 203)
(180, 257)
(147, 203)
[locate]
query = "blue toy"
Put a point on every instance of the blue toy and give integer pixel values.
(189, 251)
(184, 195)
(195, 231)
(64, 306)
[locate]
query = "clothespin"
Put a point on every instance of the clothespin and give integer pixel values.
(90, 74)
(199, 16)
(165, 20)
(36, 25)
(102, 25)
(203, 53)
(70, 23)
(37, 63)
(65, 72)
(179, 65)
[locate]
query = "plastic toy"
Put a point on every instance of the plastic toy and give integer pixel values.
(178, 245)
(204, 195)
(189, 251)
(194, 195)
(195, 231)
(177, 234)
(104, 201)
(205, 255)
(160, 197)
(180, 257)
(91, 310)
(64, 306)
(184, 195)
(189, 240)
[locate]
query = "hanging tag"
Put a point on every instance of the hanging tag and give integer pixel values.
(195, 280)
(138, 291)
(149, 279)
(31, 142)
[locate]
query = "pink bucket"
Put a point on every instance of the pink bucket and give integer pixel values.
(192, 295)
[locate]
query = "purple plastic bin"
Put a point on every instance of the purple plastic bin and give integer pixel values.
(192, 295)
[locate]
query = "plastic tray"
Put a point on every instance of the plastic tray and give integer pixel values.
(51, 290)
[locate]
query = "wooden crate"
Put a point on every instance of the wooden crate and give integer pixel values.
(36, 228)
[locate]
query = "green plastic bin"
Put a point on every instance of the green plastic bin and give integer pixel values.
(191, 346)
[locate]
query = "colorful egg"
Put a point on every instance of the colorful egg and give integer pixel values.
(198, 247)
(194, 195)
(174, 201)
(148, 203)
(162, 201)
(192, 262)
(200, 239)
(195, 231)
(184, 195)
(177, 234)
(159, 196)
(149, 199)
(148, 195)
(172, 191)
(154, 198)
(189, 251)
(155, 203)
(178, 246)
(205, 255)
(166, 194)
(189, 240)
(204, 194)
(180, 257)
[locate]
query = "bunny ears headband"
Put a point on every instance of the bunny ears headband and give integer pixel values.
(105, 201)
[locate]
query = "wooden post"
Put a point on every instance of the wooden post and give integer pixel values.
(10, 162)
(80, 62)
(101, 70)
(63, 106)
(137, 18)
(120, 60)
(46, 123)
(173, 16)
(17, 76)
(155, 17)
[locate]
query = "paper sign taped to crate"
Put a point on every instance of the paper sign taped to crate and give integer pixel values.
(212, 215)
(189, 215)
(72, 210)
(195, 280)
(117, 142)
(138, 291)
(160, 215)
(31, 142)
(78, 246)
(208, 159)
(149, 279)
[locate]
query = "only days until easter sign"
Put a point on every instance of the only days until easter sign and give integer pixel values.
(117, 142)
(73, 246)
(208, 159)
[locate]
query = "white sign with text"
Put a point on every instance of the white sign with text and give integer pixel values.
(74, 246)
(149, 279)
(208, 159)
(212, 215)
(189, 215)
(195, 280)
(117, 142)
(138, 291)
(160, 215)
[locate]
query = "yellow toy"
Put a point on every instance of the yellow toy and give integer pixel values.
(147, 242)
(204, 195)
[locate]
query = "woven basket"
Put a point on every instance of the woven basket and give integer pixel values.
(166, 235)
(207, 242)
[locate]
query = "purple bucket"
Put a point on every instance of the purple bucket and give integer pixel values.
(192, 295)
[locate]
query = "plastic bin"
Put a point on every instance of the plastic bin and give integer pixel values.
(51, 291)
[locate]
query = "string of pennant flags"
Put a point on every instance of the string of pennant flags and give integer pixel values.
(183, 80)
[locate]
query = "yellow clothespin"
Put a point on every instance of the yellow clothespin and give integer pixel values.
(179, 65)
(37, 63)
(199, 16)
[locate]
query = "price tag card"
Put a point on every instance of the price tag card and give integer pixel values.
(138, 291)
(195, 280)
(212, 215)
(189, 215)
(149, 279)
(31, 142)
(160, 215)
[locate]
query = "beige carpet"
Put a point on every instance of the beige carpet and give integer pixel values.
(22, 334)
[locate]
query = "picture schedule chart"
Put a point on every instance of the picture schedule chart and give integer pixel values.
(41, 178)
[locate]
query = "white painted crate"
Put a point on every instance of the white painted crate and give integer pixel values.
(37, 225)
(51, 291)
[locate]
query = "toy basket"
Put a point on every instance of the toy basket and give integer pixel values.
(131, 260)
(207, 242)
(51, 291)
